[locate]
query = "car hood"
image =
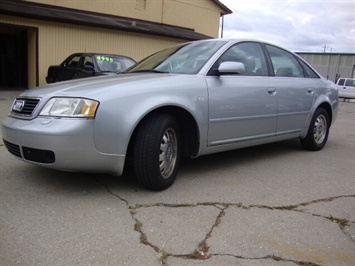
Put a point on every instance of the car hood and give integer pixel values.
(99, 86)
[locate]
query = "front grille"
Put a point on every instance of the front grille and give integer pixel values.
(39, 156)
(13, 148)
(28, 107)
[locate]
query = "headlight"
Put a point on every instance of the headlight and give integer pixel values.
(70, 107)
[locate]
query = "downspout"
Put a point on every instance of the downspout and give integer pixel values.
(330, 55)
(222, 28)
(162, 11)
(337, 75)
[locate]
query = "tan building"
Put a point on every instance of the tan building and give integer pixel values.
(38, 33)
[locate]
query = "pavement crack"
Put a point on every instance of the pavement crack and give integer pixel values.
(295, 206)
(202, 251)
(272, 257)
(110, 192)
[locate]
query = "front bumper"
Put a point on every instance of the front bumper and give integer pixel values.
(63, 144)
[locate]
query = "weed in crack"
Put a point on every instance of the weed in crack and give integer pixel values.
(201, 252)
(162, 256)
(287, 208)
(138, 226)
(341, 222)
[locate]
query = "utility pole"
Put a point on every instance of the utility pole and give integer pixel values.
(324, 48)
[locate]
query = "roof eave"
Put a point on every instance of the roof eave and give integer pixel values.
(86, 18)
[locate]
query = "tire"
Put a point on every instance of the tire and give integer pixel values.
(318, 131)
(156, 151)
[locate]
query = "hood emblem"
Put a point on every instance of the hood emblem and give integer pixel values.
(18, 105)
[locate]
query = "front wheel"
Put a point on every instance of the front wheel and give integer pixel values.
(318, 131)
(156, 151)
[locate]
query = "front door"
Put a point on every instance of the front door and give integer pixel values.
(242, 107)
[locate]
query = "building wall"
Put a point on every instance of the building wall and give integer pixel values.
(49, 43)
(332, 66)
(201, 15)
(58, 40)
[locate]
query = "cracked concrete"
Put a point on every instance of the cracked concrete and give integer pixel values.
(271, 205)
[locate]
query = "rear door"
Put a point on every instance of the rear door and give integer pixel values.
(295, 90)
(243, 106)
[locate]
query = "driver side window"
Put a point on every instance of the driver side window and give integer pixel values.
(248, 53)
(88, 61)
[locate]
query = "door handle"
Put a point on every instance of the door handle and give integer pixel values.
(310, 90)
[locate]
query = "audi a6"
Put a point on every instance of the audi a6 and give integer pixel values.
(189, 100)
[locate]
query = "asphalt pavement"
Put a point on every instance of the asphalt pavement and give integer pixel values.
(275, 204)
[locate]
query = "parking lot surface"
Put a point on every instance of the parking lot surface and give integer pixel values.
(274, 204)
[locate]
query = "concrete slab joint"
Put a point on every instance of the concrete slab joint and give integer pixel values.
(278, 216)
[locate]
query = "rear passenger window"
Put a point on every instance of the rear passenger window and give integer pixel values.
(284, 63)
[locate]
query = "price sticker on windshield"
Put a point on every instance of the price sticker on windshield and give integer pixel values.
(104, 58)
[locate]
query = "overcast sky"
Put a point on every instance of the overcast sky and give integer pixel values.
(298, 25)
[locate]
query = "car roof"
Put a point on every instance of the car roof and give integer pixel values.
(105, 54)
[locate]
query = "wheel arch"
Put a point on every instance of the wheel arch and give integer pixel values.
(188, 127)
(326, 106)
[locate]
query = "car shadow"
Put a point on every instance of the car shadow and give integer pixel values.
(227, 159)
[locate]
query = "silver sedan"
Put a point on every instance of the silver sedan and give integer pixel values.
(189, 100)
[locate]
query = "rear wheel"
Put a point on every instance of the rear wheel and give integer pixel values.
(318, 131)
(156, 151)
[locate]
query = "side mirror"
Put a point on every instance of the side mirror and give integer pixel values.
(89, 67)
(229, 67)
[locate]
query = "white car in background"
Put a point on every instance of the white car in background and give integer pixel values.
(346, 87)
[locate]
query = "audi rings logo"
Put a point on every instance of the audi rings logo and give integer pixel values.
(18, 105)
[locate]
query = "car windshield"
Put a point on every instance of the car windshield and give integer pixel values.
(187, 58)
(109, 63)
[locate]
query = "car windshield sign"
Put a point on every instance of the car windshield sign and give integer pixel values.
(108, 63)
(186, 59)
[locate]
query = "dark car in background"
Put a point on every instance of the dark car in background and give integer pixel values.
(82, 65)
